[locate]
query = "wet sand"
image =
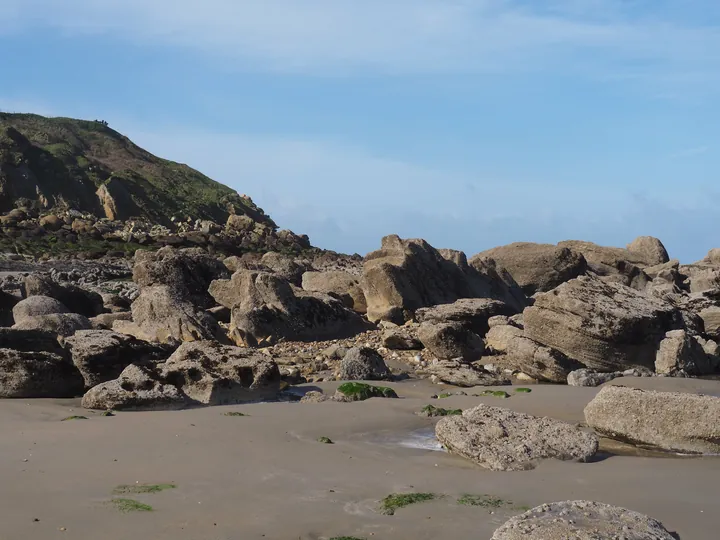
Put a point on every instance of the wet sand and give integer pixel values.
(266, 476)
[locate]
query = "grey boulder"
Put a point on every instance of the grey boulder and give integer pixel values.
(449, 341)
(363, 364)
(504, 440)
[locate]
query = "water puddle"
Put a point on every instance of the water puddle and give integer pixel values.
(420, 439)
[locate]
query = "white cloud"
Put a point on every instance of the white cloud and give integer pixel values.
(399, 36)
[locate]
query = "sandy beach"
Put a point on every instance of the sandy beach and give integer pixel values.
(265, 475)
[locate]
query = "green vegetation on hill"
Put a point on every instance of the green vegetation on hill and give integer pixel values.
(62, 162)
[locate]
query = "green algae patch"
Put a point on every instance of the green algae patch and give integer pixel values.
(107, 413)
(523, 390)
(235, 413)
(137, 489)
(395, 501)
(74, 418)
(483, 501)
(494, 393)
(432, 410)
(131, 505)
(355, 391)
(325, 440)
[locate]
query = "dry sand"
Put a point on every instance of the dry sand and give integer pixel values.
(266, 476)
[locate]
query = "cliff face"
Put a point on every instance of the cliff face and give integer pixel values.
(63, 163)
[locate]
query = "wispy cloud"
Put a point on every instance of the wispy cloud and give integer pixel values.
(608, 38)
(690, 152)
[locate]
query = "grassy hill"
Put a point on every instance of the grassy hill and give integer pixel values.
(87, 166)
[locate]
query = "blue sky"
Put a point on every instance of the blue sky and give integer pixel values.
(471, 123)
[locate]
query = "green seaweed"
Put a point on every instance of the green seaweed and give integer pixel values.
(484, 501)
(107, 413)
(235, 413)
(131, 505)
(74, 418)
(495, 393)
(395, 501)
(523, 390)
(325, 440)
(432, 410)
(444, 395)
(142, 488)
(356, 391)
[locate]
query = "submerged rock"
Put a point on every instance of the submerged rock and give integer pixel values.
(671, 421)
(581, 520)
(504, 440)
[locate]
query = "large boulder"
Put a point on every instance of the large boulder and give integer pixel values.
(605, 326)
(650, 250)
(137, 387)
(581, 520)
(62, 324)
(504, 440)
(540, 362)
(162, 314)
(682, 354)
(266, 308)
(188, 271)
(363, 364)
(406, 275)
(449, 341)
(341, 285)
(284, 266)
(200, 373)
(102, 355)
(671, 421)
(499, 337)
(30, 340)
(35, 306)
(38, 374)
(76, 299)
(538, 267)
(473, 313)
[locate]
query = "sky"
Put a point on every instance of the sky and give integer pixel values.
(470, 123)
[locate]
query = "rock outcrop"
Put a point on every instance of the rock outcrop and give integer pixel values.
(604, 326)
(161, 314)
(266, 308)
(682, 354)
(538, 361)
(671, 421)
(450, 341)
(406, 275)
(363, 364)
(581, 520)
(341, 285)
(102, 355)
(472, 313)
(201, 373)
(538, 267)
(504, 440)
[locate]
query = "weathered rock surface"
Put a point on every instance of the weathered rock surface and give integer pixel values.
(711, 320)
(201, 373)
(671, 421)
(651, 250)
(401, 339)
(163, 315)
(188, 271)
(106, 320)
(472, 313)
(35, 306)
(266, 308)
(449, 341)
(499, 337)
(540, 362)
(588, 377)
(605, 326)
(504, 440)
(284, 266)
(76, 299)
(37, 374)
(62, 324)
(102, 355)
(341, 285)
(581, 520)
(137, 387)
(538, 267)
(363, 364)
(681, 353)
(463, 375)
(406, 275)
